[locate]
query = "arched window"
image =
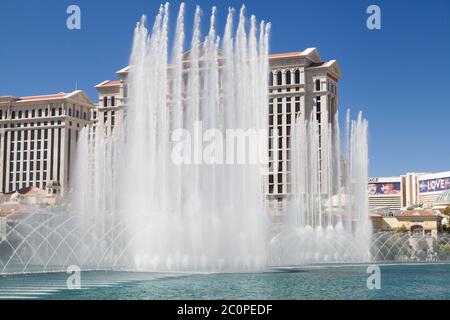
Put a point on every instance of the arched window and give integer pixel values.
(13, 115)
(105, 101)
(270, 79)
(297, 76)
(279, 78)
(70, 112)
(40, 113)
(288, 77)
(53, 112)
(113, 101)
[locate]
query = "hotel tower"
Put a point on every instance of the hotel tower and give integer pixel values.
(299, 83)
(38, 138)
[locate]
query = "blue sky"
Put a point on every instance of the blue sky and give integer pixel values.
(398, 76)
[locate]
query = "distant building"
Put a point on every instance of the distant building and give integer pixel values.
(409, 191)
(417, 222)
(38, 137)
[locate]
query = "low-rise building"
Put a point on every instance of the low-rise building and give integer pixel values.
(417, 222)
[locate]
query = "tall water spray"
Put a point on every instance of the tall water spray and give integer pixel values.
(327, 216)
(193, 216)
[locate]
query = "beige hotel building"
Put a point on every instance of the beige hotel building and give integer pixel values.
(298, 82)
(38, 138)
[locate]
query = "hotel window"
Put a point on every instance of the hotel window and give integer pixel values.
(60, 111)
(46, 112)
(77, 114)
(279, 78)
(33, 113)
(288, 77)
(288, 119)
(70, 112)
(40, 113)
(113, 101)
(297, 76)
(270, 79)
(105, 101)
(26, 113)
(13, 115)
(317, 85)
(318, 103)
(280, 119)
(53, 112)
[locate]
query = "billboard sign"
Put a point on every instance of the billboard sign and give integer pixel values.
(384, 188)
(434, 185)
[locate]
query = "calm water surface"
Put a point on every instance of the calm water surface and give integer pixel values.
(421, 281)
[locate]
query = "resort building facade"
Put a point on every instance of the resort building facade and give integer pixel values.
(299, 83)
(409, 190)
(38, 137)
